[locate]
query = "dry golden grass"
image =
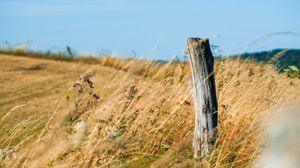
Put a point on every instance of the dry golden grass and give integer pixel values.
(144, 117)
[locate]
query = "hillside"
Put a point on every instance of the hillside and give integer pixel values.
(281, 58)
(130, 113)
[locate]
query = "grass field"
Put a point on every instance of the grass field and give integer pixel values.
(132, 113)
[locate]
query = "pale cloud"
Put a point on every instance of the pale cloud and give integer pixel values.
(58, 7)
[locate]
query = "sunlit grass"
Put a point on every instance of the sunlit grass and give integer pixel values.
(144, 118)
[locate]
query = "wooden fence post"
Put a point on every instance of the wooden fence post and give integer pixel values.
(206, 105)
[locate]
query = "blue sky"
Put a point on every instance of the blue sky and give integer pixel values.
(153, 29)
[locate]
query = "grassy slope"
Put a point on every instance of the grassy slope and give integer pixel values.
(31, 89)
(145, 116)
(281, 58)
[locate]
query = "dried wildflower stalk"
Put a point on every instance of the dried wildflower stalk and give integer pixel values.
(84, 97)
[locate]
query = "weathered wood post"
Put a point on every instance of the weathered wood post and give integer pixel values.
(206, 105)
